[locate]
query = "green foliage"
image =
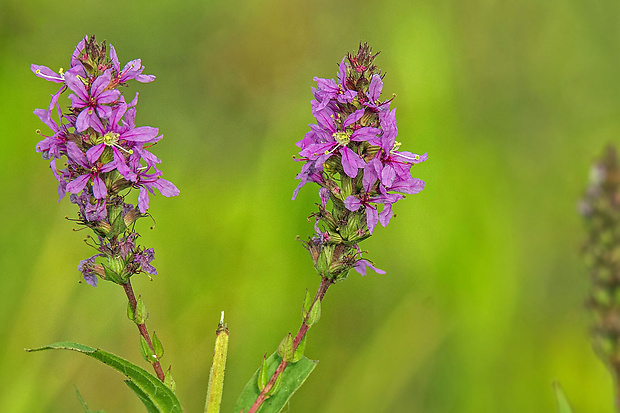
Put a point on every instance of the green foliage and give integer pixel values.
(292, 378)
(155, 395)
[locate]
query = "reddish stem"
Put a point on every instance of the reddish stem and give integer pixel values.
(325, 283)
(142, 328)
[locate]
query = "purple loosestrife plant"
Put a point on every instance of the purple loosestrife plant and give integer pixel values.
(351, 152)
(105, 157)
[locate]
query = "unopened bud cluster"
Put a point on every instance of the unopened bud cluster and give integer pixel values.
(106, 156)
(352, 154)
(601, 210)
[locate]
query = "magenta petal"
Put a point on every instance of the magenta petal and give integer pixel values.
(99, 188)
(78, 50)
(361, 265)
(166, 188)
(352, 203)
(372, 218)
(76, 155)
(102, 81)
(141, 134)
(351, 161)
(109, 96)
(77, 86)
(114, 58)
(354, 117)
(82, 122)
(46, 73)
(374, 89)
(143, 200)
(324, 195)
(76, 186)
(94, 153)
(388, 175)
(386, 215)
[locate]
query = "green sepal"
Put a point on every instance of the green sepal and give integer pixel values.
(141, 313)
(161, 398)
(146, 351)
(292, 378)
(157, 346)
(131, 315)
(299, 351)
(285, 349)
(169, 381)
(561, 400)
(115, 217)
(113, 271)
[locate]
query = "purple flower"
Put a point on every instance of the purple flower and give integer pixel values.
(328, 138)
(52, 147)
(361, 265)
(147, 183)
(93, 101)
(93, 170)
(353, 203)
(144, 258)
(132, 70)
(87, 268)
(90, 212)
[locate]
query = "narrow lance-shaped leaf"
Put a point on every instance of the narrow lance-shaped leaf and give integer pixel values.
(160, 397)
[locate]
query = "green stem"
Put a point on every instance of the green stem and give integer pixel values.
(325, 283)
(142, 328)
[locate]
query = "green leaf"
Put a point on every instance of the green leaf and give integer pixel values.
(169, 381)
(560, 398)
(146, 352)
(159, 395)
(150, 407)
(130, 313)
(141, 313)
(307, 304)
(157, 346)
(315, 314)
(263, 374)
(285, 349)
(299, 351)
(292, 378)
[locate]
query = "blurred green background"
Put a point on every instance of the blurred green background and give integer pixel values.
(482, 306)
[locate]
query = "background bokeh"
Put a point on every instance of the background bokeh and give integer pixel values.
(481, 309)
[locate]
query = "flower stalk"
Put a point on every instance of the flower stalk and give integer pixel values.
(106, 157)
(600, 208)
(305, 326)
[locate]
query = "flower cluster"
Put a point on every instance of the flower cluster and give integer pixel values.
(352, 154)
(106, 154)
(601, 210)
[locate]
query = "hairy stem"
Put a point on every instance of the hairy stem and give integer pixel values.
(325, 283)
(142, 328)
